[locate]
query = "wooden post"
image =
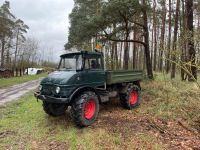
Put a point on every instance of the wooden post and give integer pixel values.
(16, 72)
(13, 72)
(20, 72)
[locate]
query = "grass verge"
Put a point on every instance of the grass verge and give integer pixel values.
(18, 80)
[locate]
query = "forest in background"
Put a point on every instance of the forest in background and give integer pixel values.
(17, 50)
(153, 35)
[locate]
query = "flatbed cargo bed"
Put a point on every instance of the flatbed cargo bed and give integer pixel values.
(123, 76)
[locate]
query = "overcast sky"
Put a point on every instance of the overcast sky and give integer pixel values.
(47, 19)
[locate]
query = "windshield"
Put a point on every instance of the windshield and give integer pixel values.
(71, 62)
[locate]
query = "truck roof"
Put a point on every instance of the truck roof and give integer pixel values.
(83, 52)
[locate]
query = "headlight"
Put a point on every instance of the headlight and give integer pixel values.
(57, 90)
(40, 87)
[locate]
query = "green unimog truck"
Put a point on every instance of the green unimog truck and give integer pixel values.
(82, 83)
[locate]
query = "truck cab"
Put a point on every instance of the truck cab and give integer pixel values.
(82, 82)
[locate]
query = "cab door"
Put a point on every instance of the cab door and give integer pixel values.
(94, 74)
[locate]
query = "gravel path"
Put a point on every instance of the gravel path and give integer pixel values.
(15, 92)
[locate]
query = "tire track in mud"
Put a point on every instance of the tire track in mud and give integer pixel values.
(15, 92)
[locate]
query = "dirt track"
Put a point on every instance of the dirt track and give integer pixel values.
(15, 92)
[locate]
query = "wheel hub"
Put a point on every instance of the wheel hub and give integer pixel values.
(89, 110)
(133, 97)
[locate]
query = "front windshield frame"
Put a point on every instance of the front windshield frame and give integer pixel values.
(77, 65)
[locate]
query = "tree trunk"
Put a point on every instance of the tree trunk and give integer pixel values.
(115, 50)
(134, 50)
(126, 53)
(116, 56)
(146, 40)
(191, 50)
(2, 52)
(183, 44)
(155, 36)
(16, 72)
(112, 56)
(169, 39)
(16, 49)
(140, 58)
(126, 47)
(20, 72)
(144, 67)
(120, 55)
(162, 35)
(8, 58)
(175, 40)
(136, 58)
(152, 44)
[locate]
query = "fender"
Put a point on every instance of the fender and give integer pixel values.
(82, 89)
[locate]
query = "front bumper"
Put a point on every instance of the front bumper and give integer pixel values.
(51, 99)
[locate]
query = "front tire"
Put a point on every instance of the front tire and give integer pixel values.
(54, 109)
(85, 109)
(131, 98)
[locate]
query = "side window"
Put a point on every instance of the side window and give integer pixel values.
(93, 63)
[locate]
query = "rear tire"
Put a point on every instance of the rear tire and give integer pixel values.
(54, 109)
(131, 98)
(85, 109)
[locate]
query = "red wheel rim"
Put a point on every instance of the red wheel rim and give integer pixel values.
(133, 97)
(89, 109)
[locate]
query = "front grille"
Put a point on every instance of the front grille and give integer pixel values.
(48, 90)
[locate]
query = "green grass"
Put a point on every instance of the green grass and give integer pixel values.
(24, 125)
(17, 80)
